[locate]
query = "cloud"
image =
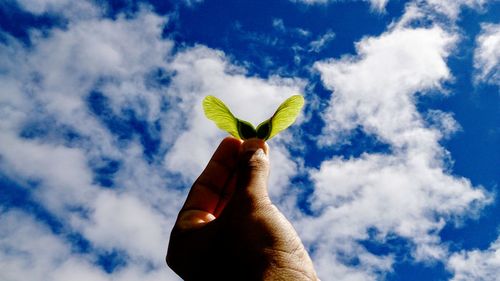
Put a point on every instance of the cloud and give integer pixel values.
(487, 54)
(51, 83)
(476, 264)
(31, 251)
(279, 25)
(136, 219)
(383, 103)
(407, 192)
(65, 175)
(449, 8)
(452, 8)
(191, 3)
(249, 98)
(377, 5)
(443, 122)
(50, 88)
(66, 8)
(320, 43)
(101, 91)
(446, 12)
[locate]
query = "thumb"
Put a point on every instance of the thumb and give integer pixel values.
(253, 171)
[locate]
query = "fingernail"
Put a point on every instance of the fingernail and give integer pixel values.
(260, 153)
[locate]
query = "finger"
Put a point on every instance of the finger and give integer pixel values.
(211, 185)
(253, 171)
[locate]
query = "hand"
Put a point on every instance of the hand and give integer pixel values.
(228, 228)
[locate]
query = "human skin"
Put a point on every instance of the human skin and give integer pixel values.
(228, 228)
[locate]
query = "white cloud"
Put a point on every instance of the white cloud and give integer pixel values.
(71, 9)
(446, 12)
(279, 25)
(320, 43)
(61, 170)
(407, 192)
(383, 103)
(449, 8)
(481, 265)
(378, 5)
(249, 98)
(452, 8)
(118, 217)
(487, 54)
(443, 122)
(52, 80)
(192, 2)
(120, 50)
(50, 83)
(29, 251)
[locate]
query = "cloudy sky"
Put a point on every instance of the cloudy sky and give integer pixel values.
(390, 173)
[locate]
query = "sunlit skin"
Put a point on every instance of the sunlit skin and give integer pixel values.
(228, 228)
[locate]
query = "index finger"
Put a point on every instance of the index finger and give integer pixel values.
(211, 185)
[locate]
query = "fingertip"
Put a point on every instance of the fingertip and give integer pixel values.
(231, 143)
(232, 140)
(252, 145)
(266, 148)
(228, 151)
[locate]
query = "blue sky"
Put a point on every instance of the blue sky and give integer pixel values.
(391, 172)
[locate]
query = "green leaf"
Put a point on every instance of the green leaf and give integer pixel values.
(284, 116)
(218, 112)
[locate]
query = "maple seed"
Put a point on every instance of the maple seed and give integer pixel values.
(285, 115)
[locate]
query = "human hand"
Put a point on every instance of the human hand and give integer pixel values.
(228, 228)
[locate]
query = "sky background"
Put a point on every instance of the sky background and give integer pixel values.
(390, 173)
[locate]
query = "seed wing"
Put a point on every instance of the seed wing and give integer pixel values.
(218, 112)
(286, 114)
